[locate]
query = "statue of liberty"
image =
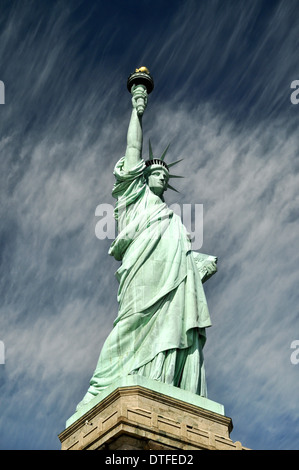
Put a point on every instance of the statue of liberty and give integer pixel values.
(160, 328)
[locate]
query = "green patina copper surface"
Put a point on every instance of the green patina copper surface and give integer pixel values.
(159, 332)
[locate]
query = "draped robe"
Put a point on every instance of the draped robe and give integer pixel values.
(160, 328)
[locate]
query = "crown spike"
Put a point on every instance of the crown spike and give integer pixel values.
(151, 156)
(176, 176)
(174, 163)
(164, 153)
(171, 187)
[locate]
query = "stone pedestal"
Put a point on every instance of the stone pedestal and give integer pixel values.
(140, 414)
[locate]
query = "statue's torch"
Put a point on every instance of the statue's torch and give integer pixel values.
(140, 84)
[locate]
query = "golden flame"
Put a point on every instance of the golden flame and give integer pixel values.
(142, 69)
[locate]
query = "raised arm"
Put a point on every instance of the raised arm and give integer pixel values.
(135, 135)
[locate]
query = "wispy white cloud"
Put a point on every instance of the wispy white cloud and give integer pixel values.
(62, 132)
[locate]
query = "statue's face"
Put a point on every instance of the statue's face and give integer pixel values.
(158, 179)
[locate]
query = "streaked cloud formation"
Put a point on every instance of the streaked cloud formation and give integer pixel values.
(222, 75)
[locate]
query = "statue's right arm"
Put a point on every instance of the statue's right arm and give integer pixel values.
(133, 153)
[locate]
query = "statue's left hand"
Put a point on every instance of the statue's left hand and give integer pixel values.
(211, 268)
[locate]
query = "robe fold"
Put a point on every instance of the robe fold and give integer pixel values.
(159, 331)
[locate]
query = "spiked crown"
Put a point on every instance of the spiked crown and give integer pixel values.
(160, 161)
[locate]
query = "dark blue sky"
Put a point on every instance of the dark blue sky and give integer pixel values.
(222, 72)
